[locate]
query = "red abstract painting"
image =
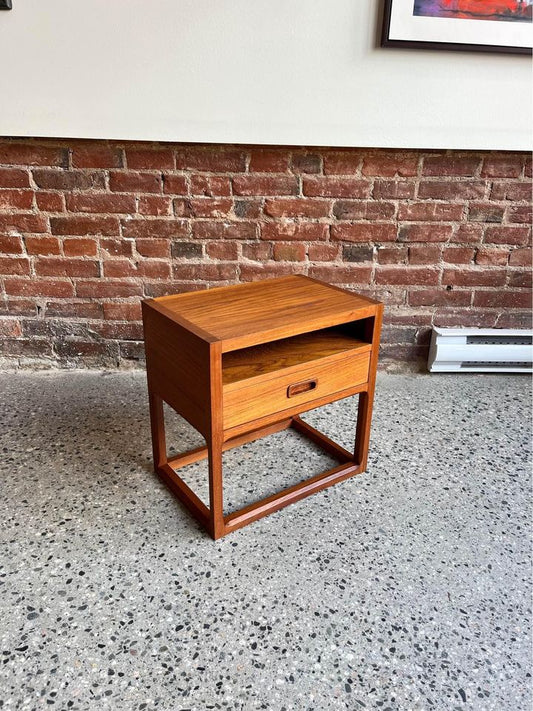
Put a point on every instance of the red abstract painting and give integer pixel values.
(499, 10)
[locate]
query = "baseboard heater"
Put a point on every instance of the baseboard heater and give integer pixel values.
(481, 350)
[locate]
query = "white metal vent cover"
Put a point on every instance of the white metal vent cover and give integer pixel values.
(481, 350)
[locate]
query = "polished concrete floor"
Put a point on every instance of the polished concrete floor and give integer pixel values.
(406, 588)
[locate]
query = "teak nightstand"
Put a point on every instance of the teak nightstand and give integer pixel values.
(241, 362)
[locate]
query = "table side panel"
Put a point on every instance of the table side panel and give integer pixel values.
(178, 367)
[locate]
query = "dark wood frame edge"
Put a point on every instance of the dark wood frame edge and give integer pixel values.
(446, 46)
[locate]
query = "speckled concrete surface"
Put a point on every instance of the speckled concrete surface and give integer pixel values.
(406, 588)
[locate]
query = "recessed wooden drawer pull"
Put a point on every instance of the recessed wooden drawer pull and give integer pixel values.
(302, 387)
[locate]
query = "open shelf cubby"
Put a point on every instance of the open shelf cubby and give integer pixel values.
(277, 355)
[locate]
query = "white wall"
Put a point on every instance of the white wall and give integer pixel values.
(248, 71)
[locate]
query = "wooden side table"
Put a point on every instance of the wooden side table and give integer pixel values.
(241, 362)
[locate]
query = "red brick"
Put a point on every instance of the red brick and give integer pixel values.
(516, 319)
(357, 253)
(248, 209)
(125, 331)
(119, 268)
(16, 200)
(342, 274)
(58, 266)
(425, 233)
(364, 232)
(209, 185)
(258, 251)
(79, 247)
(69, 179)
(458, 255)
(210, 207)
(389, 164)
(224, 230)
(265, 185)
(393, 190)
(77, 349)
(153, 269)
(10, 328)
(407, 275)
(463, 318)
(208, 272)
(451, 189)
(451, 165)
(40, 287)
(14, 178)
(430, 211)
(310, 231)
(117, 311)
(97, 155)
(507, 235)
(520, 213)
(256, 272)
(127, 182)
(117, 247)
(306, 163)
(467, 233)
(150, 158)
(323, 252)
(474, 277)
(510, 190)
(14, 265)
(75, 225)
(407, 353)
(99, 289)
(20, 307)
(42, 245)
(502, 166)
(101, 203)
(31, 154)
(182, 207)
(347, 162)
(23, 223)
(528, 167)
(28, 347)
(362, 210)
(175, 185)
(269, 160)
(292, 252)
(485, 212)
(336, 187)
(153, 247)
(124, 269)
(156, 205)
(520, 279)
(392, 255)
(50, 202)
(501, 298)
(492, 257)
(156, 227)
(297, 207)
(211, 159)
(10, 244)
(521, 257)
(225, 251)
(80, 309)
(439, 297)
(424, 255)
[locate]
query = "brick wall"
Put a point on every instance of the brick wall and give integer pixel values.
(89, 228)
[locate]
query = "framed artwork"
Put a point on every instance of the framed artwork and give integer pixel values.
(476, 25)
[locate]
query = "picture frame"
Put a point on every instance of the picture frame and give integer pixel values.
(459, 25)
(5, 5)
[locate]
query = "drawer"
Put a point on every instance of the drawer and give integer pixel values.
(289, 389)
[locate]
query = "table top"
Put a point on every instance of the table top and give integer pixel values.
(255, 312)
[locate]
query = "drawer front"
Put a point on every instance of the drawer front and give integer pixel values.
(296, 386)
